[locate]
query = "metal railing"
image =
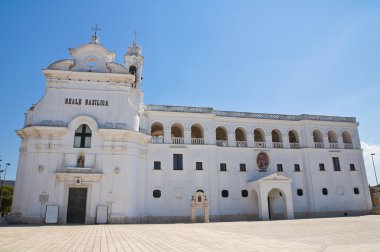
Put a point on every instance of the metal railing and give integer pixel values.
(278, 145)
(319, 145)
(241, 144)
(294, 145)
(222, 143)
(334, 146)
(260, 144)
(348, 146)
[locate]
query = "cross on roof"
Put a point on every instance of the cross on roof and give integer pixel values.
(96, 29)
(135, 36)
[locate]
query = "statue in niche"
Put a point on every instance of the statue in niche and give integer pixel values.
(80, 161)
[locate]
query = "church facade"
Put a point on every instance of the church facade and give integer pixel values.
(92, 152)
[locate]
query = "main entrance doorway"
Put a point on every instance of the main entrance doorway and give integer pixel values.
(276, 205)
(76, 207)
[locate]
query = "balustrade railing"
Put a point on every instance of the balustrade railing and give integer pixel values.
(294, 145)
(348, 146)
(241, 144)
(197, 141)
(278, 145)
(222, 143)
(157, 139)
(260, 145)
(334, 146)
(319, 145)
(177, 140)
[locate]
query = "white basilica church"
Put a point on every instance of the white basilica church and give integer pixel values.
(92, 152)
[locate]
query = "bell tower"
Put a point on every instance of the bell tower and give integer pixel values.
(133, 61)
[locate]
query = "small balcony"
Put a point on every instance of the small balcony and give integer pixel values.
(348, 146)
(278, 145)
(197, 141)
(319, 145)
(260, 144)
(177, 140)
(222, 143)
(241, 144)
(157, 139)
(334, 146)
(294, 145)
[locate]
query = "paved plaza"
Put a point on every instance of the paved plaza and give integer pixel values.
(328, 234)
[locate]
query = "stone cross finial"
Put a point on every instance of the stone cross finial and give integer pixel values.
(135, 37)
(96, 29)
(94, 38)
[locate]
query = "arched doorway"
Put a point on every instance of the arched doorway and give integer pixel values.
(276, 205)
(199, 207)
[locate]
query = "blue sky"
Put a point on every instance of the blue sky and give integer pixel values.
(291, 57)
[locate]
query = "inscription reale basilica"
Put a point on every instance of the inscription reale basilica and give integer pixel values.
(89, 102)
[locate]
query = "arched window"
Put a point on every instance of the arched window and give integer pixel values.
(221, 136)
(347, 140)
(318, 139)
(333, 139)
(82, 138)
(258, 137)
(332, 136)
(132, 70)
(177, 133)
(276, 139)
(293, 139)
(157, 132)
(241, 139)
(199, 195)
(197, 134)
(176, 130)
(346, 137)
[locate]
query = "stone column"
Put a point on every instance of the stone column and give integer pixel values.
(301, 143)
(193, 210)
(285, 141)
(326, 142)
(231, 139)
(167, 135)
(340, 142)
(289, 206)
(206, 212)
(268, 140)
(250, 142)
(187, 136)
(263, 204)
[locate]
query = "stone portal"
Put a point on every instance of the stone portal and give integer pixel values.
(199, 201)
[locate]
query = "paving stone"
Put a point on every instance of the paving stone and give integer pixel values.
(327, 234)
